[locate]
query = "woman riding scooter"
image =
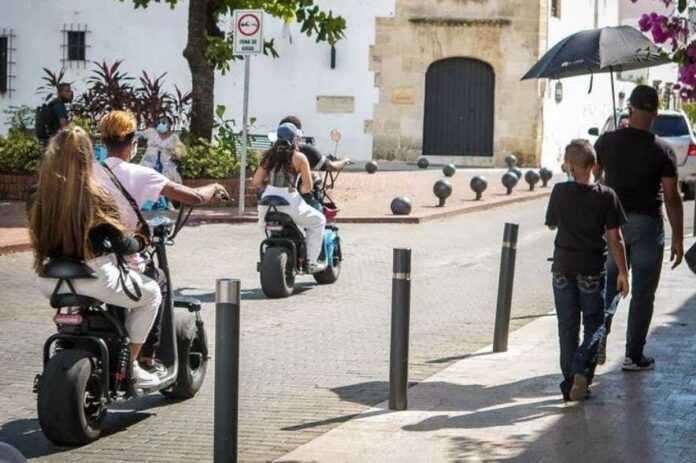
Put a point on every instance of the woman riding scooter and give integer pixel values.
(75, 217)
(279, 168)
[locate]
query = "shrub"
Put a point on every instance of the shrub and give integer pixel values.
(19, 152)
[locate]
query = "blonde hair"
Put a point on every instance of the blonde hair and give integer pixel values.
(70, 201)
(118, 129)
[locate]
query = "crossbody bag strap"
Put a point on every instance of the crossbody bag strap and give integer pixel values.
(134, 205)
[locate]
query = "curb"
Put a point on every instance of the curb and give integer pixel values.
(387, 219)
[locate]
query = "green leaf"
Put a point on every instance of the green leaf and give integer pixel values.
(682, 5)
(220, 111)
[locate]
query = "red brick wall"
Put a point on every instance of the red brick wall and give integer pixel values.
(15, 186)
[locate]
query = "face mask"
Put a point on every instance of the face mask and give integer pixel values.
(162, 127)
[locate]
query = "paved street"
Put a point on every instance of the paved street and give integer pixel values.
(309, 362)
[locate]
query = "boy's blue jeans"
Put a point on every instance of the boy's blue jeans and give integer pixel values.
(645, 241)
(576, 297)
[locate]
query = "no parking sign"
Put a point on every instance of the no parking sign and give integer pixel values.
(248, 32)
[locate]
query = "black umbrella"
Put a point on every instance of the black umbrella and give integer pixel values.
(609, 49)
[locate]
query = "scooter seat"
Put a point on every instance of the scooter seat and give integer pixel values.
(65, 268)
(272, 200)
(73, 300)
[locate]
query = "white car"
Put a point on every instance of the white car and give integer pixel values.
(674, 127)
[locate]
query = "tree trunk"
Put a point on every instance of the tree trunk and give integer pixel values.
(202, 71)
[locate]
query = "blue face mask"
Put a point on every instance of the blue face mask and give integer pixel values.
(162, 127)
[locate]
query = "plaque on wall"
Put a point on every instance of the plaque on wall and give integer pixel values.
(403, 96)
(335, 104)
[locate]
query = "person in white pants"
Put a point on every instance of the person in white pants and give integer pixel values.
(74, 217)
(279, 169)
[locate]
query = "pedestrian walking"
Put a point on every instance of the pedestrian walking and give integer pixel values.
(642, 169)
(586, 215)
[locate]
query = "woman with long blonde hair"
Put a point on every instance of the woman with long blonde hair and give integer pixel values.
(75, 217)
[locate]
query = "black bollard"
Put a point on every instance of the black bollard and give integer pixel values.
(505, 283)
(532, 178)
(479, 185)
(401, 308)
(509, 181)
(443, 190)
(227, 299)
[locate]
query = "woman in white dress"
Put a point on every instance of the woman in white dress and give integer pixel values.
(164, 150)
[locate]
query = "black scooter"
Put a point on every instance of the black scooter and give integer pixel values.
(87, 363)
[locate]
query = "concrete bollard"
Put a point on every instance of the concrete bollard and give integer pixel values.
(401, 308)
(227, 302)
(505, 284)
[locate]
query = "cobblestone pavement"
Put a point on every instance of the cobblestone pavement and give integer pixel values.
(308, 363)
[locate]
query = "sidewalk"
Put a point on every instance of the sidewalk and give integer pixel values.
(507, 407)
(362, 198)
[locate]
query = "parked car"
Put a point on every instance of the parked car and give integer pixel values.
(674, 127)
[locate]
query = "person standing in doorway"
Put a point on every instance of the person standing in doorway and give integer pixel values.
(642, 169)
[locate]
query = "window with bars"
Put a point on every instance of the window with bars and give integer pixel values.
(76, 45)
(556, 8)
(4, 65)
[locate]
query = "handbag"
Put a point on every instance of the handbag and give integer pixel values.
(690, 257)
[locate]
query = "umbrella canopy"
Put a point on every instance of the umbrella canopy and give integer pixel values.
(610, 49)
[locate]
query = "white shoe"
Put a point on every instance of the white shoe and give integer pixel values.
(317, 266)
(143, 378)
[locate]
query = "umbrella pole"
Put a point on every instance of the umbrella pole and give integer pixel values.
(613, 99)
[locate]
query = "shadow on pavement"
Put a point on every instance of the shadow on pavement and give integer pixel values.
(26, 435)
(255, 294)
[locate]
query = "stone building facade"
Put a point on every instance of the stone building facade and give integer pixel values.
(506, 36)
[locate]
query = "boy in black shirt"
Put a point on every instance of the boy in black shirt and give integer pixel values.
(583, 213)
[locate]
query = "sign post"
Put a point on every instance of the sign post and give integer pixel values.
(248, 40)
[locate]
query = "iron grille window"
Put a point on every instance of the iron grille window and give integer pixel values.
(4, 65)
(556, 8)
(76, 45)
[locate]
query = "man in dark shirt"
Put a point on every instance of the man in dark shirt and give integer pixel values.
(583, 213)
(58, 116)
(642, 169)
(317, 161)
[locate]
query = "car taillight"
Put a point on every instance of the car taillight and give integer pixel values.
(68, 319)
(692, 150)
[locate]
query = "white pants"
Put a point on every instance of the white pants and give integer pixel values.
(107, 288)
(304, 215)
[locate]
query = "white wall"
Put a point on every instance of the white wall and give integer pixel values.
(153, 39)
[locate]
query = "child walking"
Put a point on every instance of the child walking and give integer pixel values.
(586, 216)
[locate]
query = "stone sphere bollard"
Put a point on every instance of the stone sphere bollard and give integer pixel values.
(423, 163)
(517, 172)
(509, 181)
(511, 161)
(401, 205)
(479, 185)
(443, 190)
(371, 167)
(532, 178)
(449, 170)
(545, 175)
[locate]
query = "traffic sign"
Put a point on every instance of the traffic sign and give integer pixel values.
(248, 32)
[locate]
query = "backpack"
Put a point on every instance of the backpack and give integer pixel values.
(44, 121)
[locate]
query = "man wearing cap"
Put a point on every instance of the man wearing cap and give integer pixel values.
(642, 169)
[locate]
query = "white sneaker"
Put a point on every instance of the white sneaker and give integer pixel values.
(317, 266)
(144, 379)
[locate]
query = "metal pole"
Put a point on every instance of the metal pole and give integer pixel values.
(613, 99)
(245, 117)
(505, 282)
(227, 300)
(401, 307)
(693, 189)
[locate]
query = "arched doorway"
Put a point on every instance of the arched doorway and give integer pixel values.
(459, 96)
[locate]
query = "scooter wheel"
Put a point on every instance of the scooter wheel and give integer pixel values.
(193, 364)
(330, 275)
(277, 273)
(69, 399)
